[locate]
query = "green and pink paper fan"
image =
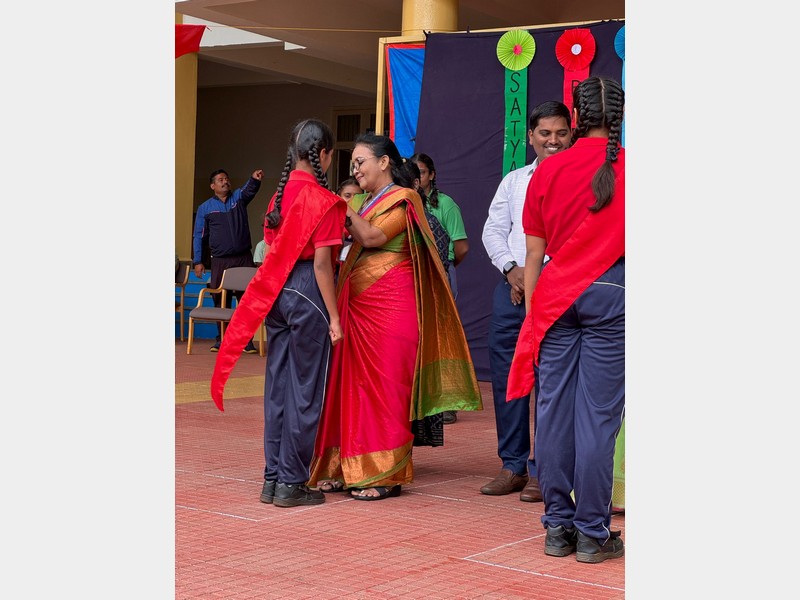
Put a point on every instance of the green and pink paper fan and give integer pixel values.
(515, 49)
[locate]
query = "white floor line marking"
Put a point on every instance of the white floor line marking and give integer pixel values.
(218, 476)
(423, 485)
(469, 500)
(221, 514)
(599, 585)
(267, 518)
(503, 546)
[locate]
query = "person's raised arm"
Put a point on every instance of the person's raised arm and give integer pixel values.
(534, 259)
(323, 272)
(251, 187)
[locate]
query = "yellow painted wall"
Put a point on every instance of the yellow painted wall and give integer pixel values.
(185, 126)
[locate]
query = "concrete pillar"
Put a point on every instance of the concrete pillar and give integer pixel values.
(429, 15)
(185, 129)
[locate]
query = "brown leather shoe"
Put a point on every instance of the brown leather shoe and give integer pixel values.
(531, 493)
(505, 483)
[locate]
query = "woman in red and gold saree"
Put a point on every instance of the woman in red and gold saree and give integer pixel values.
(404, 355)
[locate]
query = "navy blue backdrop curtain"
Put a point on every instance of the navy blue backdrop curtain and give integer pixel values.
(460, 125)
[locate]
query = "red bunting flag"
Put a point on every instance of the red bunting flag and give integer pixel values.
(187, 38)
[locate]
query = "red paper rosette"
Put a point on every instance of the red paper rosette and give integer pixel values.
(575, 49)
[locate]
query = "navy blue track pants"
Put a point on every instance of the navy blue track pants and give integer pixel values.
(512, 419)
(580, 406)
(298, 355)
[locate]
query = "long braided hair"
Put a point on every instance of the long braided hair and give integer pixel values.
(600, 102)
(308, 138)
(426, 160)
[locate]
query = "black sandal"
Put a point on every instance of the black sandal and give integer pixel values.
(383, 492)
(331, 487)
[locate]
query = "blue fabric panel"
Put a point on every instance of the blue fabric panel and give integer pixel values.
(405, 78)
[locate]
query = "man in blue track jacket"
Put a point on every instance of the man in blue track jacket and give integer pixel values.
(222, 221)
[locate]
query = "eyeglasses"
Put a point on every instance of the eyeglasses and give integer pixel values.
(356, 164)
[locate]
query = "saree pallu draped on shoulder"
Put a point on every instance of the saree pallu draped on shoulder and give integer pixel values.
(404, 355)
(597, 243)
(297, 227)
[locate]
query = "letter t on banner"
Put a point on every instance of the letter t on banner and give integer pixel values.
(515, 50)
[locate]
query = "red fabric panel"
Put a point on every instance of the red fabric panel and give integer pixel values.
(596, 245)
(187, 38)
(301, 219)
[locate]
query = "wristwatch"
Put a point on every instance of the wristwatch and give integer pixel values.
(508, 266)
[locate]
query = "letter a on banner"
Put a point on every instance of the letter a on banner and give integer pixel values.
(515, 50)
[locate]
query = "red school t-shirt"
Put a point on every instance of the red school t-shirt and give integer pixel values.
(329, 230)
(560, 191)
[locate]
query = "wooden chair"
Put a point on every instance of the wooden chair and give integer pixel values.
(234, 279)
(181, 279)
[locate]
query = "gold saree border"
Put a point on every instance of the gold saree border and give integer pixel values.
(383, 467)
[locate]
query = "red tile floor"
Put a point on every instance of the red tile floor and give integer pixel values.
(440, 539)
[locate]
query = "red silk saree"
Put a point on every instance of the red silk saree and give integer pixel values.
(404, 355)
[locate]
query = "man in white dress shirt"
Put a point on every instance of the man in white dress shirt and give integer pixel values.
(549, 132)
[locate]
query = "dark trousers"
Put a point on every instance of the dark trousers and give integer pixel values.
(218, 266)
(580, 406)
(298, 354)
(512, 419)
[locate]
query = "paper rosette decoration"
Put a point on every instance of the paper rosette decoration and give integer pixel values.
(575, 50)
(619, 42)
(619, 47)
(515, 49)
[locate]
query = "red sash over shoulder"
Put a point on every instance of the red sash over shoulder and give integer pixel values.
(298, 224)
(595, 246)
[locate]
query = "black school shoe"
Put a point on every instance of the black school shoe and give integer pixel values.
(560, 541)
(296, 494)
(268, 491)
(591, 551)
